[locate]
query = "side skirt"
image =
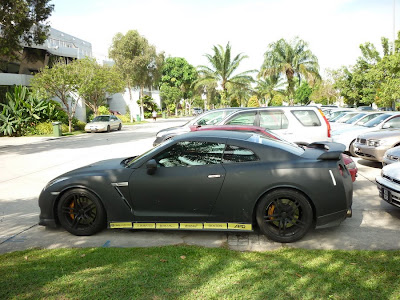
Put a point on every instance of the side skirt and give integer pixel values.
(183, 226)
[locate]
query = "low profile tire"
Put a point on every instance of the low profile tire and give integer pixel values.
(108, 128)
(284, 215)
(119, 126)
(81, 213)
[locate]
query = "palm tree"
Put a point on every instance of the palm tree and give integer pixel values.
(222, 69)
(291, 60)
(267, 88)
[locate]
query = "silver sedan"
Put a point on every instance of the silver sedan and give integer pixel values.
(104, 123)
(389, 184)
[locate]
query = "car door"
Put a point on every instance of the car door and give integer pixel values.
(184, 187)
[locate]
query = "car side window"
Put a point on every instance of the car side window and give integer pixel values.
(393, 123)
(211, 118)
(273, 119)
(184, 154)
(307, 117)
(247, 118)
(238, 154)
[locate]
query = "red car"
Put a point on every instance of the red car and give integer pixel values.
(350, 164)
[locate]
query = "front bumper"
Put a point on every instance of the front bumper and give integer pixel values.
(47, 202)
(370, 153)
(388, 190)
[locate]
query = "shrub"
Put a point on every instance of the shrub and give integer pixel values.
(79, 125)
(124, 118)
(43, 128)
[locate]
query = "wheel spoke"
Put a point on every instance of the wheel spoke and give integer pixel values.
(299, 223)
(76, 221)
(268, 217)
(90, 207)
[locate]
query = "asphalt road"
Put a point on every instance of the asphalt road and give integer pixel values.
(26, 167)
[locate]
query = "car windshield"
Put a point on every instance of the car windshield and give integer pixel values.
(355, 118)
(148, 152)
(101, 119)
(376, 121)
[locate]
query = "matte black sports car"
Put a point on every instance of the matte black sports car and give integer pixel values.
(207, 180)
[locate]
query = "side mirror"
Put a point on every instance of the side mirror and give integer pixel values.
(151, 166)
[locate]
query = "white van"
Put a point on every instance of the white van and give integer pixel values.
(298, 124)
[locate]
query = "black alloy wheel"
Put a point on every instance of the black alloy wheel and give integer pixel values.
(284, 215)
(81, 213)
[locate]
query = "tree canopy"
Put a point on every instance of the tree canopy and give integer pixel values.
(23, 20)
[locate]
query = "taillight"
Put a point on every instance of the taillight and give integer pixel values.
(340, 167)
(328, 126)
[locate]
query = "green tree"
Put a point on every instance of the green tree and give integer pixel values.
(177, 72)
(253, 102)
(171, 96)
(222, 71)
(268, 87)
(23, 20)
(303, 93)
(59, 81)
(138, 62)
(95, 82)
(291, 60)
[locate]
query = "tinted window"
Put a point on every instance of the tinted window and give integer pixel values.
(376, 121)
(238, 154)
(367, 118)
(185, 154)
(307, 117)
(247, 118)
(101, 119)
(393, 123)
(355, 118)
(210, 118)
(274, 119)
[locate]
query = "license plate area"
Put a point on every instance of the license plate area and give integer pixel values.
(386, 195)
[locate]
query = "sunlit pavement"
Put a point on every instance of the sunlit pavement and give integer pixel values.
(26, 166)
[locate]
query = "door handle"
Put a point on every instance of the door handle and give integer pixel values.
(214, 176)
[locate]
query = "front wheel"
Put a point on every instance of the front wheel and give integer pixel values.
(81, 213)
(352, 150)
(284, 215)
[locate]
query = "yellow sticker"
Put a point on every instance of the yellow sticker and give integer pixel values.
(167, 225)
(121, 225)
(144, 225)
(215, 226)
(191, 225)
(238, 226)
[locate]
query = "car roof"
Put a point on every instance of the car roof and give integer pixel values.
(231, 127)
(237, 135)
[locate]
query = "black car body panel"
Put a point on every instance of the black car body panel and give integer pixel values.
(223, 194)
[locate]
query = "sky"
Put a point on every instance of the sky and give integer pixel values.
(333, 29)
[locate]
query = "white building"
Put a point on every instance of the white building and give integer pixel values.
(35, 57)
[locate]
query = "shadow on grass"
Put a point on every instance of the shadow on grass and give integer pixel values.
(183, 272)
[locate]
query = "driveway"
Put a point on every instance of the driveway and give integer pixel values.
(28, 164)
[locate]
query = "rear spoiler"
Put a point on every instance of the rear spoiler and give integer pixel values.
(332, 151)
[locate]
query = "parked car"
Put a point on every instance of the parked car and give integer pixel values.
(347, 136)
(343, 117)
(360, 119)
(388, 184)
(210, 117)
(373, 145)
(104, 123)
(348, 161)
(207, 180)
(391, 156)
(365, 108)
(298, 124)
(197, 111)
(335, 112)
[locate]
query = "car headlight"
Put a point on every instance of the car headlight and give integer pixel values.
(374, 143)
(54, 181)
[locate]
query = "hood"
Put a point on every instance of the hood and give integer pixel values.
(381, 134)
(101, 124)
(95, 168)
(394, 151)
(173, 130)
(392, 170)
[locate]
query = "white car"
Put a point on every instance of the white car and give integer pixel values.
(389, 184)
(359, 119)
(104, 123)
(348, 135)
(391, 156)
(297, 124)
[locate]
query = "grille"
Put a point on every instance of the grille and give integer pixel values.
(391, 179)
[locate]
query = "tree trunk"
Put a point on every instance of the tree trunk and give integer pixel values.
(141, 102)
(130, 102)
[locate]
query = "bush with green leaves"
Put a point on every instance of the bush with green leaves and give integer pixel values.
(46, 128)
(124, 118)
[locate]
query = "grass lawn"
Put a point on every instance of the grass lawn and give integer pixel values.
(188, 272)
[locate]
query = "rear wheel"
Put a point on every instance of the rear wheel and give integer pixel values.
(119, 126)
(108, 128)
(284, 215)
(81, 213)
